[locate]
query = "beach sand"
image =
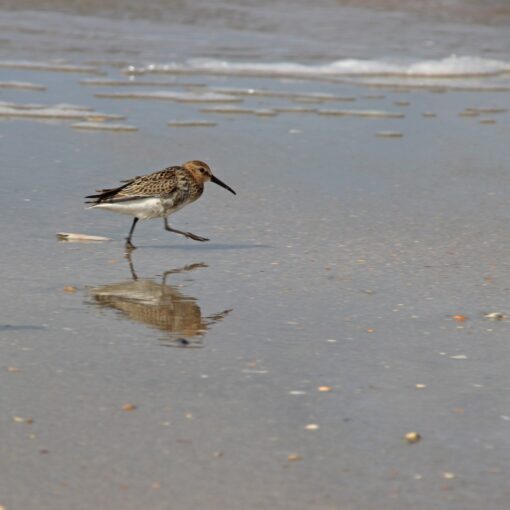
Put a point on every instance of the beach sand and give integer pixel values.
(340, 304)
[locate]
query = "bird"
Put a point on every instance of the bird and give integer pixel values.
(157, 195)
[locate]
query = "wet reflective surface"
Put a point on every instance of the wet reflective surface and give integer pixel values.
(344, 256)
(160, 305)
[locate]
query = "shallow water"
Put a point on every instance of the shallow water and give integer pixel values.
(340, 263)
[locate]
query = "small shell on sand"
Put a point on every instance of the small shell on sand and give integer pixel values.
(495, 316)
(412, 437)
(80, 238)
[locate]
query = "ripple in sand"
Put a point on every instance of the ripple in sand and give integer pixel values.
(307, 100)
(486, 110)
(436, 84)
(101, 126)
(191, 123)
(181, 97)
(295, 109)
(36, 106)
(469, 113)
(376, 114)
(21, 85)
(53, 112)
(48, 66)
(304, 96)
(247, 111)
(389, 134)
(94, 82)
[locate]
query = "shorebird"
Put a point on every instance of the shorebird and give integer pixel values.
(158, 195)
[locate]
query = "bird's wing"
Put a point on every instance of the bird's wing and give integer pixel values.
(157, 184)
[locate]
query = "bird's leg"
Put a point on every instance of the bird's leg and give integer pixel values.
(129, 245)
(189, 235)
(131, 266)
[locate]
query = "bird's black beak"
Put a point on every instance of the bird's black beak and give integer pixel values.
(222, 184)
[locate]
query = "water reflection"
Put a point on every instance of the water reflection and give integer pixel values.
(159, 305)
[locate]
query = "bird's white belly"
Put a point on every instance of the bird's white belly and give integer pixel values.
(143, 208)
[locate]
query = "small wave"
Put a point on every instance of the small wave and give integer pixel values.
(453, 66)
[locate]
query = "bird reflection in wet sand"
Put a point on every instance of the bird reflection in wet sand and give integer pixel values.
(160, 306)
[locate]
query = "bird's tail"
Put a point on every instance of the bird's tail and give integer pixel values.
(105, 194)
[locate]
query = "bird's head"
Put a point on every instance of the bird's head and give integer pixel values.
(202, 173)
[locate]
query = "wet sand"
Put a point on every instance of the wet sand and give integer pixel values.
(277, 365)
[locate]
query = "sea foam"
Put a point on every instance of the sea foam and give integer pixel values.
(452, 66)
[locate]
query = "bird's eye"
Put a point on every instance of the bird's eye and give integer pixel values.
(202, 170)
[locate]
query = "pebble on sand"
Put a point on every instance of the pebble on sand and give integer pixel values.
(19, 419)
(412, 437)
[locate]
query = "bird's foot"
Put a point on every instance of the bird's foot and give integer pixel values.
(195, 237)
(188, 235)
